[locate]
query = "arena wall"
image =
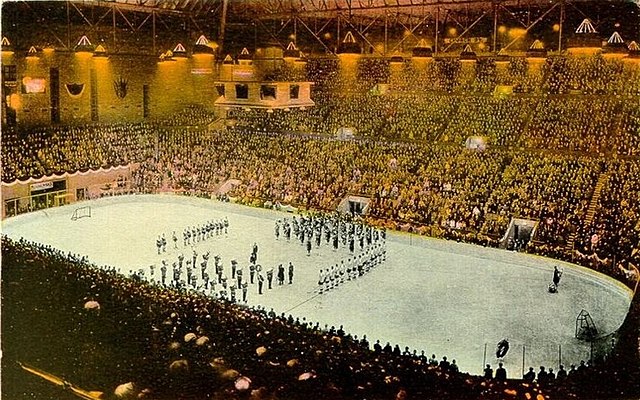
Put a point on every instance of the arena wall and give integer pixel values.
(170, 87)
(18, 196)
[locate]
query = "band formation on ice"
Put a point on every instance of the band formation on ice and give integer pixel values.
(189, 269)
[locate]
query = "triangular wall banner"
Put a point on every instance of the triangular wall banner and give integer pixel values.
(100, 49)
(586, 27)
(291, 46)
(228, 58)
(33, 51)
(245, 52)
(202, 41)
(615, 38)
(75, 89)
(179, 48)
(633, 46)
(467, 49)
(348, 38)
(5, 41)
(84, 41)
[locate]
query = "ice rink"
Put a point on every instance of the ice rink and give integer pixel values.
(443, 297)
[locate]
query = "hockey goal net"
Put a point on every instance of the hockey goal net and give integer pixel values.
(81, 212)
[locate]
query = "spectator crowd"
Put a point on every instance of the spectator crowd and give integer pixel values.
(570, 123)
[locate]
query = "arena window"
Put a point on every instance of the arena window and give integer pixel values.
(294, 91)
(267, 92)
(242, 91)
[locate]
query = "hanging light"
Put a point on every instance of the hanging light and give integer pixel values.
(349, 45)
(244, 57)
(84, 45)
(228, 60)
(33, 53)
(100, 52)
(291, 52)
(179, 51)
(468, 55)
(633, 50)
(167, 56)
(537, 50)
(203, 46)
(585, 39)
(615, 46)
(422, 50)
(7, 47)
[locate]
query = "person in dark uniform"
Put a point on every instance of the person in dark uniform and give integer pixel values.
(454, 367)
(280, 275)
(557, 274)
(270, 276)
(290, 273)
(387, 348)
(239, 274)
(529, 376)
(205, 279)
(377, 347)
(245, 288)
(260, 282)
(252, 272)
(501, 373)
(562, 373)
(232, 290)
(542, 376)
(551, 376)
(163, 270)
(488, 372)
(189, 272)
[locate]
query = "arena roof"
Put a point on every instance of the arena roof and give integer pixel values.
(318, 8)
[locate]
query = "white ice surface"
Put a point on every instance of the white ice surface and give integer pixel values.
(444, 297)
